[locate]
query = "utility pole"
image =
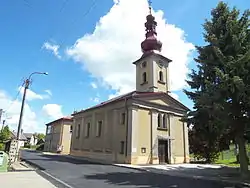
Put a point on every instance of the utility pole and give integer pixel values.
(27, 83)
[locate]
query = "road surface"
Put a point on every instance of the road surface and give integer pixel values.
(84, 174)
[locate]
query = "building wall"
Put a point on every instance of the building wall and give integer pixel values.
(108, 145)
(66, 138)
(152, 70)
(143, 137)
(176, 133)
(53, 139)
(33, 140)
(181, 147)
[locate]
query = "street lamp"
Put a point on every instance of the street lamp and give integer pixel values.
(27, 83)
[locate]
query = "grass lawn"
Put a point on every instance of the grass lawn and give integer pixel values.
(228, 162)
(228, 157)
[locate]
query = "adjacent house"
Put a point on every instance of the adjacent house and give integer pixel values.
(31, 138)
(11, 144)
(141, 127)
(58, 135)
(22, 138)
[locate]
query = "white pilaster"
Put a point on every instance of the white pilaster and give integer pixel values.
(132, 131)
(186, 140)
(82, 135)
(93, 130)
(154, 124)
(172, 141)
(154, 75)
(167, 78)
(106, 129)
(114, 144)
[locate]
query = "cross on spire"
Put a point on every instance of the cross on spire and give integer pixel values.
(150, 6)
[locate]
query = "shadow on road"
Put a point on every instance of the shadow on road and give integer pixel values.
(68, 159)
(223, 173)
(59, 158)
(150, 180)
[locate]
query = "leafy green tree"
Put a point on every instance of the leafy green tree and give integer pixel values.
(40, 136)
(5, 133)
(220, 88)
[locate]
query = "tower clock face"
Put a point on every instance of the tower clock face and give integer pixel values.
(144, 64)
(160, 63)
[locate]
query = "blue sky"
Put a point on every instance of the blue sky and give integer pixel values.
(85, 73)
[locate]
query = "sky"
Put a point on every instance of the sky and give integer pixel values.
(87, 48)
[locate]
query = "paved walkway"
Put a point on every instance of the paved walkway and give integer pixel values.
(196, 171)
(26, 179)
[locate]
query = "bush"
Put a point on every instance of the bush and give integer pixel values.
(40, 148)
(2, 146)
(27, 145)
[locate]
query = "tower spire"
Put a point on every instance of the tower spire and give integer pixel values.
(150, 6)
(151, 43)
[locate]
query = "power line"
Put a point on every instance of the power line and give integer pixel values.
(63, 5)
(12, 102)
(93, 4)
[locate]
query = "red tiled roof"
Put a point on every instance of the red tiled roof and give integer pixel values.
(130, 95)
(68, 118)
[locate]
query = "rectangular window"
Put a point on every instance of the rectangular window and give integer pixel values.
(71, 128)
(123, 118)
(99, 129)
(122, 147)
(78, 131)
(49, 129)
(87, 130)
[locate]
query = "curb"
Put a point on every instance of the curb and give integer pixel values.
(41, 171)
(235, 183)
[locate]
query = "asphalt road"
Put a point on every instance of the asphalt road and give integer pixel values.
(84, 174)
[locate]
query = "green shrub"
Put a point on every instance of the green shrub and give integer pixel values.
(27, 145)
(2, 146)
(40, 148)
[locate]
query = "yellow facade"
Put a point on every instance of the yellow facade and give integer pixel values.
(138, 128)
(58, 134)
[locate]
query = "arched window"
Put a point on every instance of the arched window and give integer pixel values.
(144, 77)
(161, 76)
(164, 121)
(159, 120)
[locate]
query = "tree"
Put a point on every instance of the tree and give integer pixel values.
(5, 134)
(40, 136)
(220, 89)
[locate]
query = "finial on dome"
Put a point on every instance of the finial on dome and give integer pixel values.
(150, 6)
(151, 43)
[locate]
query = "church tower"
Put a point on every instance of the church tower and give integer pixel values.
(152, 73)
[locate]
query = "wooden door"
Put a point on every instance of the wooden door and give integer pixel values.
(163, 151)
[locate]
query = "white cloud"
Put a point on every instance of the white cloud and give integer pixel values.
(12, 108)
(31, 95)
(54, 111)
(48, 91)
(95, 99)
(116, 44)
(53, 48)
(93, 85)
